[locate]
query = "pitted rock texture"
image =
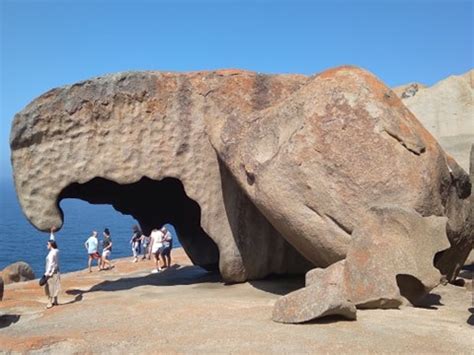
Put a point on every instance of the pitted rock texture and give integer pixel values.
(109, 139)
(17, 272)
(446, 109)
(256, 162)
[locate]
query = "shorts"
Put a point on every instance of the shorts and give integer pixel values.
(95, 255)
(166, 251)
(158, 252)
(106, 253)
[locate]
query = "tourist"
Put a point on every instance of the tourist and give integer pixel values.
(156, 247)
(106, 250)
(52, 285)
(145, 240)
(167, 246)
(135, 242)
(92, 245)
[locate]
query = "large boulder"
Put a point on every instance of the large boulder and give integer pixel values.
(316, 162)
(259, 173)
(17, 272)
(139, 142)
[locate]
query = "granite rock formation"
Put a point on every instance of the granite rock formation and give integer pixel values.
(446, 109)
(134, 139)
(260, 174)
(316, 162)
(17, 272)
(389, 263)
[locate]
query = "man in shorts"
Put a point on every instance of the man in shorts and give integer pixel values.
(167, 245)
(92, 245)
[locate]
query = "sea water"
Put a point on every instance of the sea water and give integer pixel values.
(20, 241)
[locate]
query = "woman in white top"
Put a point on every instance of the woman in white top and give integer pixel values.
(53, 285)
(156, 247)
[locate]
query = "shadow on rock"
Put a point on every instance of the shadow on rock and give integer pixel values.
(429, 301)
(279, 285)
(173, 276)
(329, 319)
(8, 319)
(470, 320)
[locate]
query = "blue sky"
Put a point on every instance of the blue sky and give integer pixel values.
(45, 44)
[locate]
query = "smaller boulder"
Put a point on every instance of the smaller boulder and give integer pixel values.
(324, 295)
(17, 272)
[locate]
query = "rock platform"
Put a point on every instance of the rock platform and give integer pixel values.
(188, 310)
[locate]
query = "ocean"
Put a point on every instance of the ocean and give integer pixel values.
(20, 241)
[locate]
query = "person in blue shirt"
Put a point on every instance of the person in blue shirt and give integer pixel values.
(92, 246)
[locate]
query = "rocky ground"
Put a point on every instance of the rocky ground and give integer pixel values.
(185, 309)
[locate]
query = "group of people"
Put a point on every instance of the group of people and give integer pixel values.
(159, 244)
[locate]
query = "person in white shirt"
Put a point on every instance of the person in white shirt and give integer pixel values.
(53, 284)
(156, 247)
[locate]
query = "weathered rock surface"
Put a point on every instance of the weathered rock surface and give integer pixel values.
(17, 272)
(446, 109)
(469, 229)
(316, 162)
(390, 262)
(243, 164)
(391, 257)
(138, 141)
(325, 294)
(313, 302)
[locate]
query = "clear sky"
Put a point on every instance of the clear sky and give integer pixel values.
(45, 44)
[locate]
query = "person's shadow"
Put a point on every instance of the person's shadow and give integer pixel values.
(173, 276)
(470, 320)
(8, 319)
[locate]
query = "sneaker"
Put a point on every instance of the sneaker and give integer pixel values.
(155, 271)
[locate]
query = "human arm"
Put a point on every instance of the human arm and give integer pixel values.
(51, 234)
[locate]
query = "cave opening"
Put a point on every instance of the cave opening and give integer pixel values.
(154, 203)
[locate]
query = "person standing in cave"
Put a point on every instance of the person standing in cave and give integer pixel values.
(145, 240)
(135, 242)
(156, 247)
(167, 246)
